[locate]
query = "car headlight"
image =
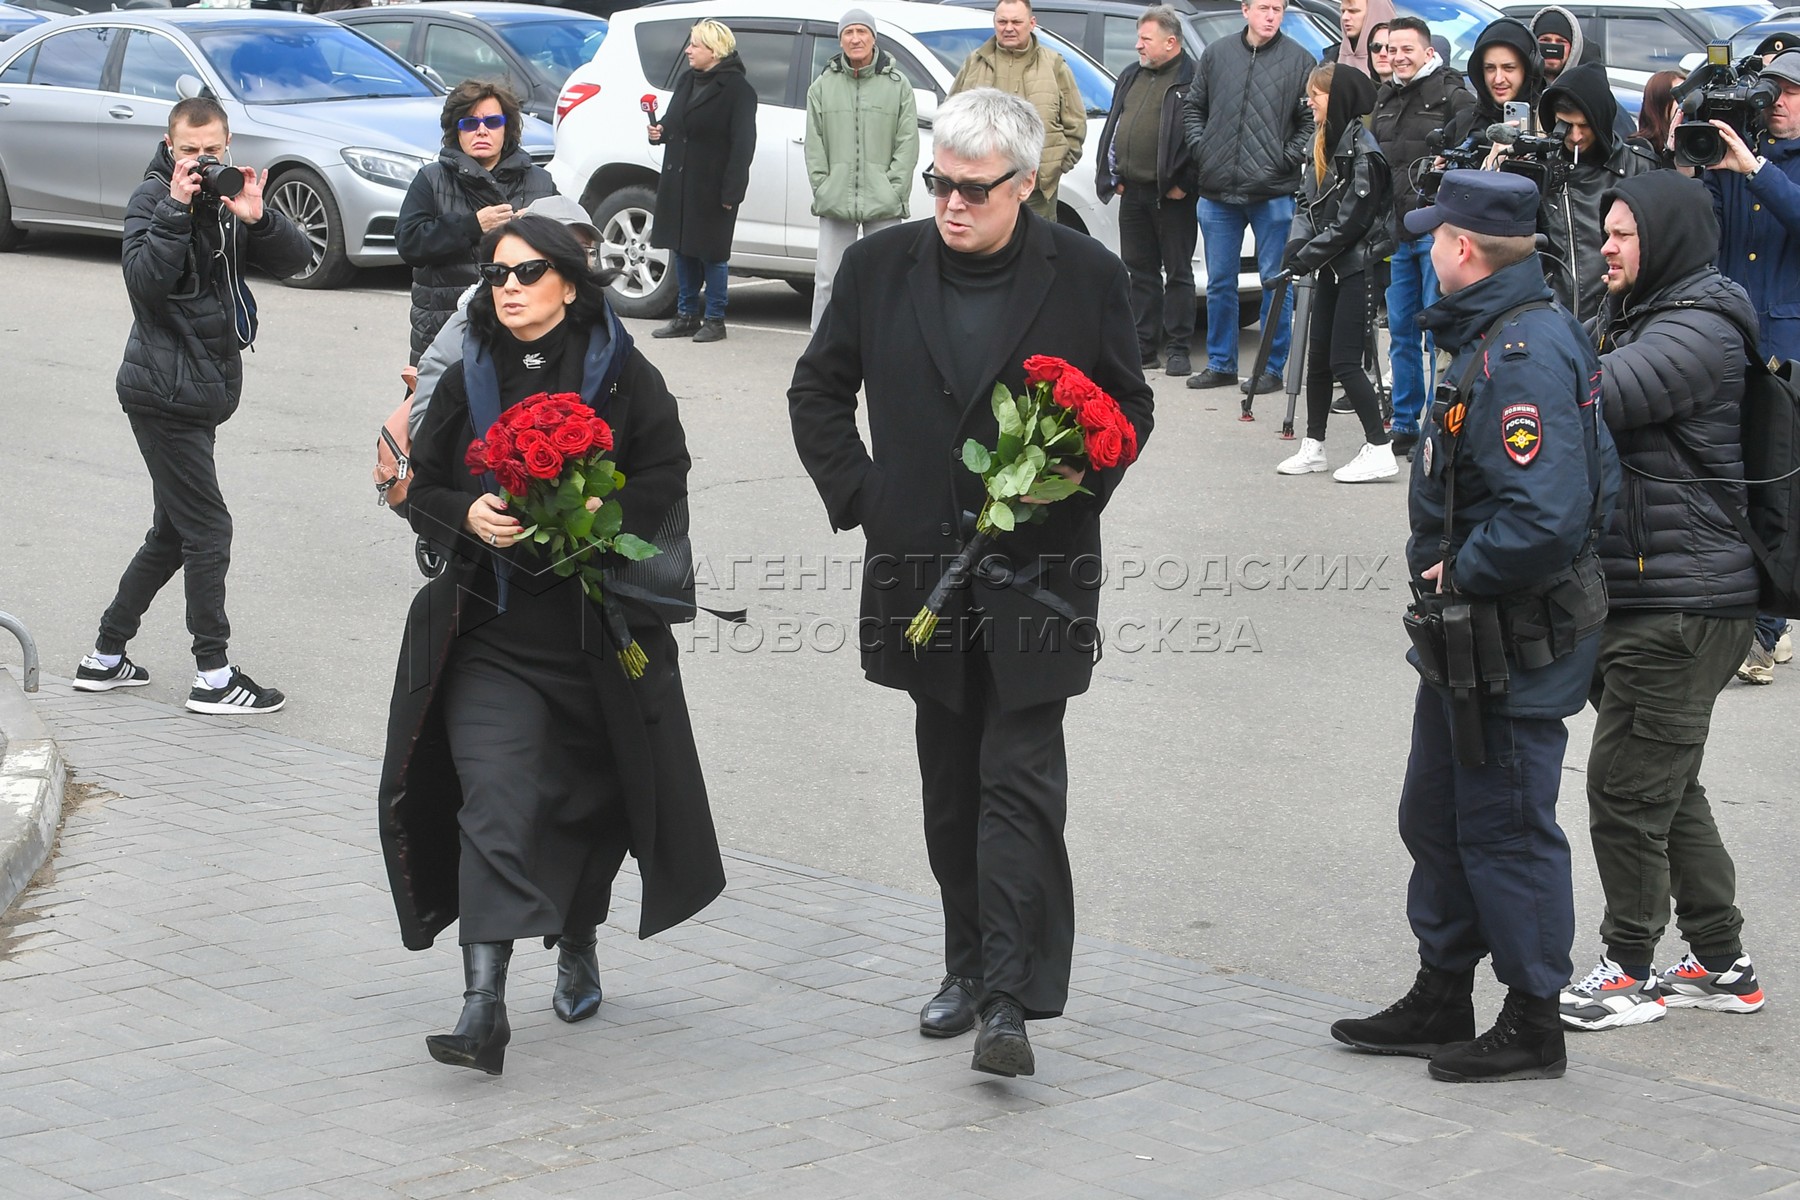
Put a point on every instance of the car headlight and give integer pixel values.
(384, 166)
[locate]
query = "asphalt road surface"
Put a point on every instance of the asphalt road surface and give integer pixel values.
(1235, 766)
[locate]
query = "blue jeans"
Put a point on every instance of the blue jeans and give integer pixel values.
(690, 272)
(1412, 288)
(1769, 630)
(1222, 229)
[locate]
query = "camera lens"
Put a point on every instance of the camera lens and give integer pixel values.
(1698, 146)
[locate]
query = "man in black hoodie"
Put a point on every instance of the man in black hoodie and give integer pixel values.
(1503, 69)
(186, 248)
(1581, 101)
(1674, 339)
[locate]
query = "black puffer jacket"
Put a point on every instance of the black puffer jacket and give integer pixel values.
(1672, 357)
(1570, 215)
(1345, 221)
(1246, 118)
(437, 233)
(1406, 117)
(191, 312)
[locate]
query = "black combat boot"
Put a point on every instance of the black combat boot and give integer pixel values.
(711, 330)
(577, 995)
(1526, 1042)
(481, 1033)
(1436, 1013)
(683, 325)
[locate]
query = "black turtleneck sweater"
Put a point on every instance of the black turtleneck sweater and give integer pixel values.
(544, 365)
(976, 289)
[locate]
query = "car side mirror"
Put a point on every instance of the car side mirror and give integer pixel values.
(1693, 62)
(190, 86)
(432, 75)
(927, 103)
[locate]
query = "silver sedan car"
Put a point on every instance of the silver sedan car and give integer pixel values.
(340, 123)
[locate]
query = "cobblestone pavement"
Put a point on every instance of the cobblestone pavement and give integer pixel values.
(205, 996)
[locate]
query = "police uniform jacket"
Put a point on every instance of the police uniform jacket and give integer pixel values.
(1531, 458)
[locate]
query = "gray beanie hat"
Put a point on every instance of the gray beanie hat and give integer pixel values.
(855, 16)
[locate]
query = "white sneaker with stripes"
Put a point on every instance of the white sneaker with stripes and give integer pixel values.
(239, 695)
(92, 675)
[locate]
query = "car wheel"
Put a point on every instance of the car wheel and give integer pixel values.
(303, 198)
(805, 287)
(645, 286)
(10, 235)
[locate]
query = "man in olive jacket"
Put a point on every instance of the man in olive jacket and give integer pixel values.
(862, 143)
(926, 317)
(1675, 338)
(1013, 60)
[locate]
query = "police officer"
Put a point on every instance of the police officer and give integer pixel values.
(1514, 475)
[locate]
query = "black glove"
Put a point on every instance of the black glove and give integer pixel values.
(1290, 256)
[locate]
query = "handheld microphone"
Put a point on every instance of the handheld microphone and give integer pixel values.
(648, 104)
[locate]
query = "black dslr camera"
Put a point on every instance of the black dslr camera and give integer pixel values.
(1735, 93)
(216, 179)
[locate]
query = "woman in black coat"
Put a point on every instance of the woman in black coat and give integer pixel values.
(1343, 228)
(481, 178)
(522, 763)
(709, 133)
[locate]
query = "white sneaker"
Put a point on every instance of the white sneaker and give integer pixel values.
(1371, 463)
(1309, 458)
(1784, 648)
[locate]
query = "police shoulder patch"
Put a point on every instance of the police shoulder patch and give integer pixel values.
(1521, 432)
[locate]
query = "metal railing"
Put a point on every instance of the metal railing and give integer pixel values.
(17, 627)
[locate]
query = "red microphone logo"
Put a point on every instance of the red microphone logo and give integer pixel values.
(648, 104)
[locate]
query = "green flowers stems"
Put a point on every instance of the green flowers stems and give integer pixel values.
(572, 535)
(1037, 435)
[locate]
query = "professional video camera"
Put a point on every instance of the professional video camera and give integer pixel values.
(1541, 158)
(1468, 156)
(1735, 93)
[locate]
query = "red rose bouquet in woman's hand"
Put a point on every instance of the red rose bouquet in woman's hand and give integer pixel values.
(551, 458)
(1061, 420)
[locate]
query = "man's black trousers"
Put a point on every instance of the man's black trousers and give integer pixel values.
(996, 786)
(191, 532)
(1156, 239)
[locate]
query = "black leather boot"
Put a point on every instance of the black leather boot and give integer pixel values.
(481, 1033)
(683, 325)
(1439, 1011)
(577, 995)
(1526, 1042)
(953, 1009)
(711, 331)
(1001, 1048)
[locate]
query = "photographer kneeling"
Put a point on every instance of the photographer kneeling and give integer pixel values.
(191, 228)
(1756, 192)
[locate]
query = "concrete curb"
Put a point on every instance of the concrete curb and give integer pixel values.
(31, 790)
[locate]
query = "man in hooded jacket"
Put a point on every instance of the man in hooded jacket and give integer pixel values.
(1674, 339)
(1504, 68)
(1570, 215)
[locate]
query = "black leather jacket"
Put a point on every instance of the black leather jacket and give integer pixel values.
(1348, 222)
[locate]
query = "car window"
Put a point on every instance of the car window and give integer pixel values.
(1458, 21)
(1118, 42)
(395, 35)
(910, 67)
(1297, 25)
(456, 54)
(320, 61)
(151, 65)
(1644, 44)
(768, 56)
(557, 47)
(952, 47)
(1070, 26)
(659, 45)
(73, 59)
(1726, 19)
(19, 69)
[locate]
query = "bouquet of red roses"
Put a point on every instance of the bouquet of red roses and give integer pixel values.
(1060, 419)
(550, 456)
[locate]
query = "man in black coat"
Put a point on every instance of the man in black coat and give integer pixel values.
(187, 244)
(1675, 339)
(925, 318)
(1144, 160)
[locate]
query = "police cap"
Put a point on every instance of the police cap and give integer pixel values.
(1496, 203)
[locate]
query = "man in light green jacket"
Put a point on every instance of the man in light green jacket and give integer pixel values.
(1013, 60)
(862, 143)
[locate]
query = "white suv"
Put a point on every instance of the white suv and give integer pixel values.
(603, 157)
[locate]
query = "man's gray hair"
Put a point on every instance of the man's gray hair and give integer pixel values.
(984, 121)
(1164, 17)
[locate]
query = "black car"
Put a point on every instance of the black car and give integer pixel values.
(533, 48)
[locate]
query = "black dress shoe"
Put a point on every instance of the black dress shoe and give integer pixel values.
(1180, 364)
(1210, 378)
(1001, 1048)
(952, 1010)
(577, 994)
(1265, 383)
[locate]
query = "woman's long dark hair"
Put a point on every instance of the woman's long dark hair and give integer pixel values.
(462, 101)
(1658, 113)
(551, 240)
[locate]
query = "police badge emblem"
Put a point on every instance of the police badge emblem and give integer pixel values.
(1521, 432)
(1425, 450)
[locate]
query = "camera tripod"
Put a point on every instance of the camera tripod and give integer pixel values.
(1301, 328)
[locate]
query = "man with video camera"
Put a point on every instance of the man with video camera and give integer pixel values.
(191, 228)
(1756, 193)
